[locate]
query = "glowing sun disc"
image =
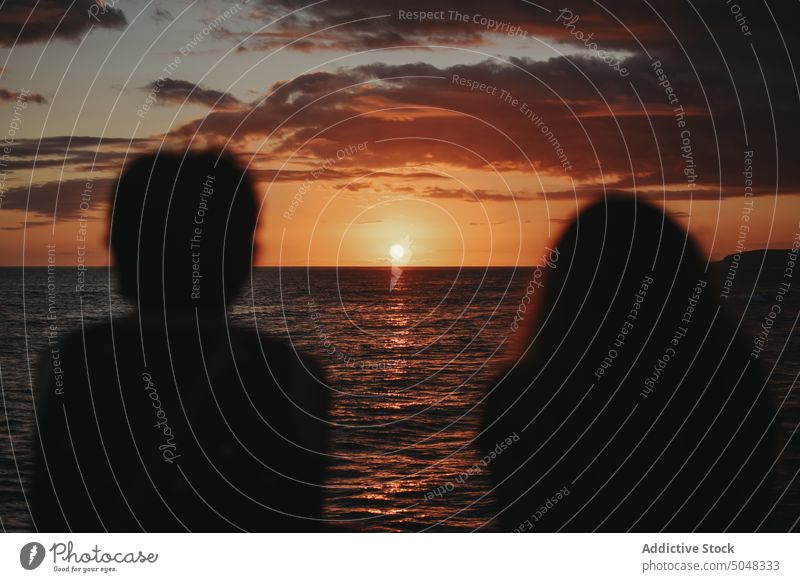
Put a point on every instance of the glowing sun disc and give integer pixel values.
(397, 251)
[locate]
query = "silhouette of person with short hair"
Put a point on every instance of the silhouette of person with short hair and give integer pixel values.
(634, 399)
(173, 419)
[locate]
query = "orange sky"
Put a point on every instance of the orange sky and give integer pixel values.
(473, 145)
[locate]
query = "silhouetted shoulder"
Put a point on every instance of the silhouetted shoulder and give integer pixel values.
(221, 430)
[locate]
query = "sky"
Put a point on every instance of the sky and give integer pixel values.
(469, 132)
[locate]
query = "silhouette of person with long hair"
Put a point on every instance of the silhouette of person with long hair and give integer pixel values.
(173, 419)
(636, 405)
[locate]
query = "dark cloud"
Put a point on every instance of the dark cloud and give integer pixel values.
(61, 199)
(23, 21)
(7, 96)
(492, 223)
(573, 117)
(273, 175)
(73, 153)
(467, 195)
(581, 118)
(97, 160)
(354, 186)
(179, 91)
(27, 224)
(351, 27)
(731, 65)
(613, 24)
(653, 196)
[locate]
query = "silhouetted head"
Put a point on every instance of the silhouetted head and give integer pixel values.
(181, 231)
(612, 249)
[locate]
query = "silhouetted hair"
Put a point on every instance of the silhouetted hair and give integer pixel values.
(197, 215)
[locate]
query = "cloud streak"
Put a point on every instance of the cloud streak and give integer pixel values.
(25, 22)
(7, 96)
(184, 92)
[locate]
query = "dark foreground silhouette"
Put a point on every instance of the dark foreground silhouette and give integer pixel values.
(172, 419)
(636, 405)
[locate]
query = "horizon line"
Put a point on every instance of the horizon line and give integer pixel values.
(520, 266)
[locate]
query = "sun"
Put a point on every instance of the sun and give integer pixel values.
(397, 252)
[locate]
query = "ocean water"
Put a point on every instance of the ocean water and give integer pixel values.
(408, 368)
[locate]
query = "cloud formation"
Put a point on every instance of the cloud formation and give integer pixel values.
(184, 92)
(26, 22)
(7, 96)
(59, 198)
(704, 87)
(616, 24)
(573, 117)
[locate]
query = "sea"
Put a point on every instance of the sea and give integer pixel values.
(408, 367)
